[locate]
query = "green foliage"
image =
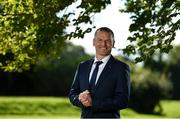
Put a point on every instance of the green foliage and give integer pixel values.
(53, 77)
(153, 28)
(27, 32)
(49, 77)
(147, 89)
(31, 29)
(173, 70)
(173, 56)
(168, 64)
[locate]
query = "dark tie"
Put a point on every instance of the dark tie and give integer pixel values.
(93, 77)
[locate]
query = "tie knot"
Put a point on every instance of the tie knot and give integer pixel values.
(98, 63)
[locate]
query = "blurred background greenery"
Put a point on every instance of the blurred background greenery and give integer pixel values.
(153, 91)
(37, 63)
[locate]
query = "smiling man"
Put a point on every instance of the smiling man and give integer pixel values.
(101, 86)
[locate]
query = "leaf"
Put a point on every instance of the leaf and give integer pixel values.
(152, 28)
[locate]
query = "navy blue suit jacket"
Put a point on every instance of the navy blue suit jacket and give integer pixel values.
(111, 93)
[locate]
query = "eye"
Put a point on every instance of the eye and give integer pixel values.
(108, 41)
(99, 40)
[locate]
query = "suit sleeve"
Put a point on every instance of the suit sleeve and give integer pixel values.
(75, 90)
(121, 94)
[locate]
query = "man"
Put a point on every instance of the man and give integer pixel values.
(101, 86)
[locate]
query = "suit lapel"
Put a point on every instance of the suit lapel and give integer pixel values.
(89, 65)
(106, 71)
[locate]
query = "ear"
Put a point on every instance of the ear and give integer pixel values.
(113, 43)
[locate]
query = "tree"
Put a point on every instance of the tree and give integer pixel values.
(148, 87)
(167, 64)
(53, 77)
(173, 70)
(49, 77)
(154, 26)
(31, 29)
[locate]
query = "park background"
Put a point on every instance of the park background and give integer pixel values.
(39, 89)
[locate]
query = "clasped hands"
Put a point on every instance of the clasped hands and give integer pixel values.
(85, 98)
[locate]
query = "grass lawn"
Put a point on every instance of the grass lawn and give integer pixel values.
(37, 117)
(60, 108)
(171, 108)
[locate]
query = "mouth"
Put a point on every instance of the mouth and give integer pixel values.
(103, 48)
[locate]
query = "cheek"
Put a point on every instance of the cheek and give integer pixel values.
(110, 46)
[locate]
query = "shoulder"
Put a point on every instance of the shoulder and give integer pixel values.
(118, 63)
(85, 64)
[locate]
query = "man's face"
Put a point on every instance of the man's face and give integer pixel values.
(103, 43)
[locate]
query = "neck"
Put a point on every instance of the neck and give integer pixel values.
(99, 57)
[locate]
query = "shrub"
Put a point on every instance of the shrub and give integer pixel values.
(147, 89)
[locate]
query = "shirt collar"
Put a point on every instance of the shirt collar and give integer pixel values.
(104, 60)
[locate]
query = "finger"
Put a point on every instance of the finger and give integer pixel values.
(86, 103)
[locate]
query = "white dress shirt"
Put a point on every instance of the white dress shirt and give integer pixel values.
(101, 67)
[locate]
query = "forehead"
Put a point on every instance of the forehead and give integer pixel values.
(104, 34)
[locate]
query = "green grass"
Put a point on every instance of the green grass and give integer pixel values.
(171, 108)
(36, 106)
(60, 108)
(37, 117)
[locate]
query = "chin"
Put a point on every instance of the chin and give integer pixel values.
(104, 54)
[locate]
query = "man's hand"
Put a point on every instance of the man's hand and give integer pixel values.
(85, 98)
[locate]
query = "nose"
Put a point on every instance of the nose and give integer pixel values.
(103, 43)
